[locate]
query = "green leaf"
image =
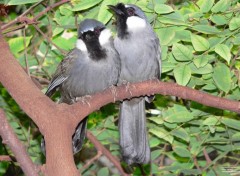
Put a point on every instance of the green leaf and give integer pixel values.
(57, 31)
(212, 120)
(202, 70)
(165, 35)
(205, 29)
(172, 18)
(166, 67)
(181, 133)
(181, 151)
(85, 4)
(182, 74)
(17, 44)
(222, 77)
(221, 6)
(236, 137)
(66, 44)
(199, 43)
(163, 9)
(201, 61)
(183, 35)
(224, 52)
(181, 52)
(218, 19)
(205, 5)
(234, 23)
(232, 123)
(154, 142)
(103, 171)
(179, 117)
(157, 120)
(162, 134)
(19, 2)
(104, 15)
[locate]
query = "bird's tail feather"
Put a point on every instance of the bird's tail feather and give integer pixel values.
(79, 136)
(133, 135)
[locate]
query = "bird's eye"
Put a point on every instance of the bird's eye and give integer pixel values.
(97, 31)
(130, 11)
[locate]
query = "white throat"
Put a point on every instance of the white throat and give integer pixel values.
(105, 36)
(81, 45)
(135, 23)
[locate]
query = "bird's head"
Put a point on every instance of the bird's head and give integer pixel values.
(92, 35)
(130, 18)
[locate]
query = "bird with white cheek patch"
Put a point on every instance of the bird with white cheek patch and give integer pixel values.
(139, 50)
(92, 66)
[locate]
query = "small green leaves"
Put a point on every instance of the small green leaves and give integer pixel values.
(166, 35)
(104, 15)
(232, 123)
(85, 4)
(181, 52)
(206, 29)
(205, 5)
(181, 151)
(17, 44)
(172, 18)
(234, 23)
(222, 77)
(177, 114)
(161, 133)
(19, 2)
(181, 133)
(163, 9)
(221, 6)
(224, 52)
(199, 43)
(182, 74)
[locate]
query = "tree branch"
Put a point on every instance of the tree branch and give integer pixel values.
(105, 151)
(10, 138)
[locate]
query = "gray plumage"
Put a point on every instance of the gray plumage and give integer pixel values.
(139, 50)
(91, 67)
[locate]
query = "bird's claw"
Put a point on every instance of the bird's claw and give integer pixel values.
(83, 99)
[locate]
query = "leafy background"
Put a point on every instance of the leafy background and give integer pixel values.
(200, 49)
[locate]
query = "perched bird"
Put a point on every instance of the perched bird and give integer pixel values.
(139, 50)
(92, 66)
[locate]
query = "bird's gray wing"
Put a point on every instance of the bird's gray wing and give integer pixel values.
(61, 73)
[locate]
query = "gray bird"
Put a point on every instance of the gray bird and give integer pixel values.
(139, 50)
(92, 66)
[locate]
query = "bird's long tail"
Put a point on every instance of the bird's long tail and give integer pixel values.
(133, 135)
(79, 136)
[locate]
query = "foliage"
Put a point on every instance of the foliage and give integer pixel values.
(200, 49)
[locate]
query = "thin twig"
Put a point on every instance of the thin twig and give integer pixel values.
(208, 159)
(19, 19)
(89, 162)
(25, 52)
(50, 8)
(106, 152)
(49, 41)
(3, 27)
(162, 157)
(7, 158)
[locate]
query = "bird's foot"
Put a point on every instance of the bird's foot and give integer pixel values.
(114, 92)
(84, 99)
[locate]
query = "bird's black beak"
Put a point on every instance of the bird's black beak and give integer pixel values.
(116, 10)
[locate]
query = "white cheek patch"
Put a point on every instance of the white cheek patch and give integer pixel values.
(135, 23)
(81, 45)
(105, 36)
